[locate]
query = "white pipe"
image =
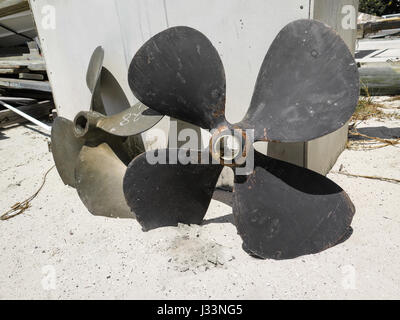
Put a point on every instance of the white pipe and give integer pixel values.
(24, 115)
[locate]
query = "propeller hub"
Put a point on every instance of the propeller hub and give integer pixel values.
(85, 124)
(81, 125)
(228, 146)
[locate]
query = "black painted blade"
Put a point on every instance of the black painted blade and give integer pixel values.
(167, 194)
(65, 148)
(308, 85)
(179, 73)
(283, 211)
(99, 174)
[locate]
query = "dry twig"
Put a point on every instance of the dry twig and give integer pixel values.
(391, 180)
(385, 142)
(20, 207)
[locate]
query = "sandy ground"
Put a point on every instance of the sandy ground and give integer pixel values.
(57, 249)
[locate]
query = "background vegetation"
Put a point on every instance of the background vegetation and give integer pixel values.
(380, 7)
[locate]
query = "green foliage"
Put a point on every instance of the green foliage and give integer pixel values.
(392, 7)
(380, 7)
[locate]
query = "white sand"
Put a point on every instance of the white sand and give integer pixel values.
(95, 257)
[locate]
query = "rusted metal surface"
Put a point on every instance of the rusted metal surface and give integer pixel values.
(217, 153)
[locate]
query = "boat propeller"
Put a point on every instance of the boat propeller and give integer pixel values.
(307, 87)
(91, 152)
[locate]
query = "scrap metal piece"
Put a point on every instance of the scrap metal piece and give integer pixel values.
(65, 147)
(179, 73)
(25, 115)
(308, 85)
(283, 211)
(99, 174)
(165, 195)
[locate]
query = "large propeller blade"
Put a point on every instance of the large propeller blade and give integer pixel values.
(164, 195)
(308, 85)
(99, 175)
(65, 147)
(284, 211)
(109, 98)
(93, 79)
(179, 73)
(94, 69)
(126, 123)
